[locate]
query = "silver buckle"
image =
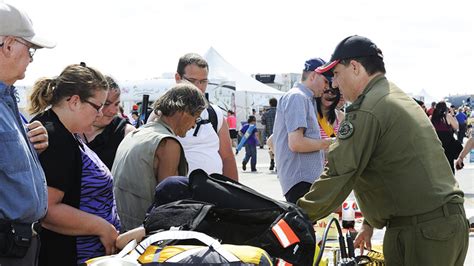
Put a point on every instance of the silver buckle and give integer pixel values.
(33, 231)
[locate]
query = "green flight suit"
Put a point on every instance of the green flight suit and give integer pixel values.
(388, 152)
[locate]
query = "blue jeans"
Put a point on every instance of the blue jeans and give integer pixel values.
(251, 154)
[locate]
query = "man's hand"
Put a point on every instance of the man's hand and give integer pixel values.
(38, 136)
(459, 164)
(364, 237)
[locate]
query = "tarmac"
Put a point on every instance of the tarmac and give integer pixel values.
(266, 182)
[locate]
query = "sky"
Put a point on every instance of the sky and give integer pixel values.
(426, 44)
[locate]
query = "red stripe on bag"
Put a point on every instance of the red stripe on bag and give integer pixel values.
(285, 234)
(283, 263)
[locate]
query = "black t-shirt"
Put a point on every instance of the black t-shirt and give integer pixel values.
(62, 156)
(106, 143)
(73, 168)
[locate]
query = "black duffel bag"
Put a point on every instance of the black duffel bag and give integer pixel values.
(236, 214)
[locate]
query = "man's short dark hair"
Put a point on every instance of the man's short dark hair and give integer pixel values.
(372, 64)
(191, 59)
(273, 102)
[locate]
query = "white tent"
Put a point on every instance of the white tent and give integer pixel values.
(426, 97)
(250, 93)
(221, 92)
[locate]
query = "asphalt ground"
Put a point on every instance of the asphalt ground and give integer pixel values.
(266, 182)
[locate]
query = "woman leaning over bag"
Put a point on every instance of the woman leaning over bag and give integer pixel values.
(445, 124)
(81, 221)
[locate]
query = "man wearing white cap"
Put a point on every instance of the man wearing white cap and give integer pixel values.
(23, 194)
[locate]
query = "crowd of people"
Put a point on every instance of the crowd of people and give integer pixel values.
(78, 175)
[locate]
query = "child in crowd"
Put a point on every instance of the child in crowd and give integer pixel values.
(250, 144)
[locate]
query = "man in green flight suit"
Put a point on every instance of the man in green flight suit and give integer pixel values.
(388, 153)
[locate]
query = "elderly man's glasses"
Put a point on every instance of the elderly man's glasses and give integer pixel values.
(31, 50)
(196, 82)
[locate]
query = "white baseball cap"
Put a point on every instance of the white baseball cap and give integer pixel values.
(14, 22)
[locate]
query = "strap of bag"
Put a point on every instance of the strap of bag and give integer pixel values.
(326, 126)
(181, 235)
(211, 119)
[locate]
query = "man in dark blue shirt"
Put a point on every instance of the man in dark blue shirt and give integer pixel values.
(462, 119)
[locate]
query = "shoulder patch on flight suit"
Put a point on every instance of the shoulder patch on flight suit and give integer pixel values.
(346, 129)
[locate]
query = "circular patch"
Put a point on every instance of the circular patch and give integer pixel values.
(346, 129)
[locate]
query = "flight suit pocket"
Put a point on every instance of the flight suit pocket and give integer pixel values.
(12, 151)
(440, 230)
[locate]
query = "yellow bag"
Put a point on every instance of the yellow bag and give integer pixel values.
(212, 252)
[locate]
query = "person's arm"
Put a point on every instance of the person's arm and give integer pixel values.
(452, 121)
(123, 239)
(347, 159)
(167, 157)
(257, 137)
(467, 148)
(67, 220)
(229, 166)
(38, 136)
(297, 142)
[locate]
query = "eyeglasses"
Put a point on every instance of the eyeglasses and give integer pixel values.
(98, 108)
(31, 50)
(196, 81)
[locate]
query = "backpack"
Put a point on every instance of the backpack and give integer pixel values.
(211, 119)
(236, 214)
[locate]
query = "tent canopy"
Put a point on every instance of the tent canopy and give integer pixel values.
(250, 93)
(220, 69)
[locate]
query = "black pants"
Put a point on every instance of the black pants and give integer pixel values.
(462, 132)
(297, 191)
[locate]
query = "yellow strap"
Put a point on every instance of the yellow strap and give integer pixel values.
(326, 126)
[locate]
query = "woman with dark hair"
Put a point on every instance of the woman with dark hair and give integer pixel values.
(82, 221)
(445, 124)
(329, 116)
(110, 129)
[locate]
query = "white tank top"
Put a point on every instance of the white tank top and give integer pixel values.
(202, 151)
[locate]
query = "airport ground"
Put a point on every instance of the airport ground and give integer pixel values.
(266, 182)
